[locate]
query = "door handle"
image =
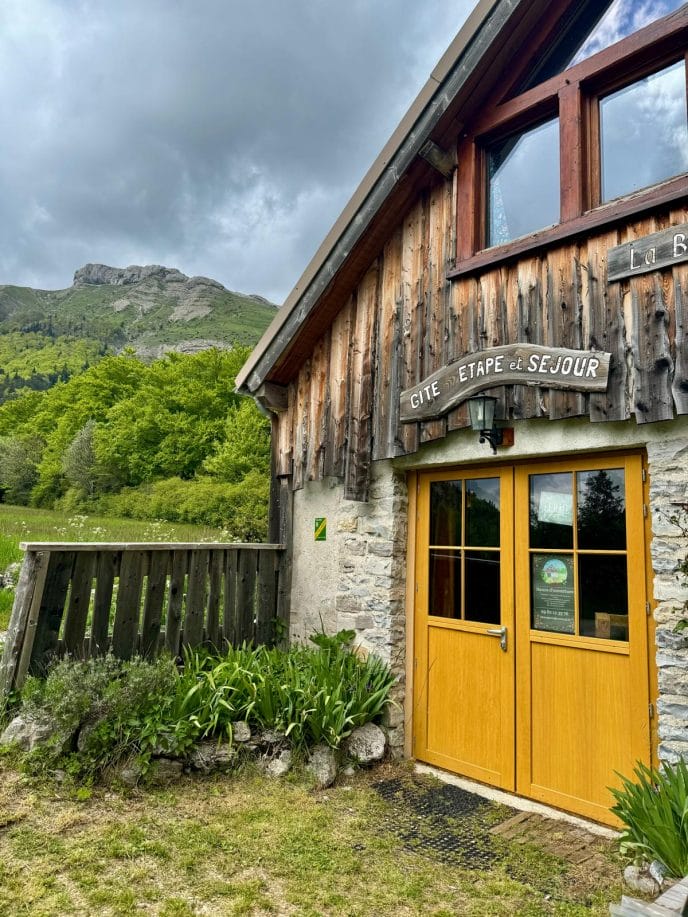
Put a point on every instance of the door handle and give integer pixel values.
(501, 633)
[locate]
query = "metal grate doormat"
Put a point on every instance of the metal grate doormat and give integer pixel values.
(450, 822)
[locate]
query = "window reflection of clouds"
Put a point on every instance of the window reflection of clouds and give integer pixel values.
(487, 490)
(623, 18)
(523, 174)
(644, 133)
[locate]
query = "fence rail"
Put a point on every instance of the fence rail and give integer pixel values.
(87, 599)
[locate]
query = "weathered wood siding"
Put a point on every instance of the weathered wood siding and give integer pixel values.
(405, 320)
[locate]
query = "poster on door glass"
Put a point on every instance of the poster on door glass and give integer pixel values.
(552, 594)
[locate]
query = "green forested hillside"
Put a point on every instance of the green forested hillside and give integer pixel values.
(49, 335)
(167, 439)
(30, 360)
(139, 314)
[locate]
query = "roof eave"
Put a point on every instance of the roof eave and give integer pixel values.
(487, 22)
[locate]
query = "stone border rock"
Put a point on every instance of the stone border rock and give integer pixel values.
(269, 749)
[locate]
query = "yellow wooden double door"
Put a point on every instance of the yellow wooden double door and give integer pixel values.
(530, 643)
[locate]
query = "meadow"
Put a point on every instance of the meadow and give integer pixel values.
(20, 524)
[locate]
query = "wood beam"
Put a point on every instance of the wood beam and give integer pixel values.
(272, 397)
(441, 160)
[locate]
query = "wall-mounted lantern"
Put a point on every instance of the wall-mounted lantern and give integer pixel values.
(481, 410)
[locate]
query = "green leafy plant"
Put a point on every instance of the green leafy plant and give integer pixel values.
(120, 708)
(212, 693)
(73, 690)
(116, 710)
(654, 810)
(132, 717)
(348, 690)
(333, 642)
(312, 695)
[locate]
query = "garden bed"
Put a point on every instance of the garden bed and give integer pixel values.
(123, 721)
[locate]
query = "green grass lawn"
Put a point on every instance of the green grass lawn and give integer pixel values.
(245, 844)
(21, 523)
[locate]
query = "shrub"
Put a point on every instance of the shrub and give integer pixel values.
(19, 458)
(73, 690)
(134, 716)
(312, 695)
(348, 691)
(655, 812)
(245, 446)
(214, 691)
(239, 508)
(137, 708)
(120, 707)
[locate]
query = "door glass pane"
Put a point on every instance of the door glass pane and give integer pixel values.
(602, 509)
(523, 183)
(482, 586)
(552, 594)
(482, 512)
(551, 510)
(445, 584)
(445, 512)
(603, 596)
(644, 132)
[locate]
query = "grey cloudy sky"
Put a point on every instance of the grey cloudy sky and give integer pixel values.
(221, 137)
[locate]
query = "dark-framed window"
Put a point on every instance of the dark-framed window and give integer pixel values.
(621, 124)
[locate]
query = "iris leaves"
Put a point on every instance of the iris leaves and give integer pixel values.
(313, 695)
(654, 810)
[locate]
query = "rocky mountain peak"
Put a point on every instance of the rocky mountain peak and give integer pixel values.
(96, 274)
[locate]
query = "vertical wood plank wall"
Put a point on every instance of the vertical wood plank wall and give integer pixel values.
(405, 319)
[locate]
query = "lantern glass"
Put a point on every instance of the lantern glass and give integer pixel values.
(481, 411)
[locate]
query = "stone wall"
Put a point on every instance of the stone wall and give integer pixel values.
(668, 464)
(357, 579)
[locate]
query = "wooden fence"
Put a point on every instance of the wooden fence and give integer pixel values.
(129, 599)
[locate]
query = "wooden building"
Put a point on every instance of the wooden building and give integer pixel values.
(524, 234)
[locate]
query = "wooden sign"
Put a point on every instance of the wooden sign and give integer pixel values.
(511, 364)
(661, 249)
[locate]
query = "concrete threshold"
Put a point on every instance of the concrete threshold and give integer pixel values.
(516, 802)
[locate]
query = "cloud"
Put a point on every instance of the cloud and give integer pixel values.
(221, 137)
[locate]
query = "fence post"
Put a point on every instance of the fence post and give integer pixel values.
(22, 626)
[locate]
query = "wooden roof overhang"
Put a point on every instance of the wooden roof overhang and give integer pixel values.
(460, 83)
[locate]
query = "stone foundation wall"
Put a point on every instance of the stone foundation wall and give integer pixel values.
(668, 465)
(357, 579)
